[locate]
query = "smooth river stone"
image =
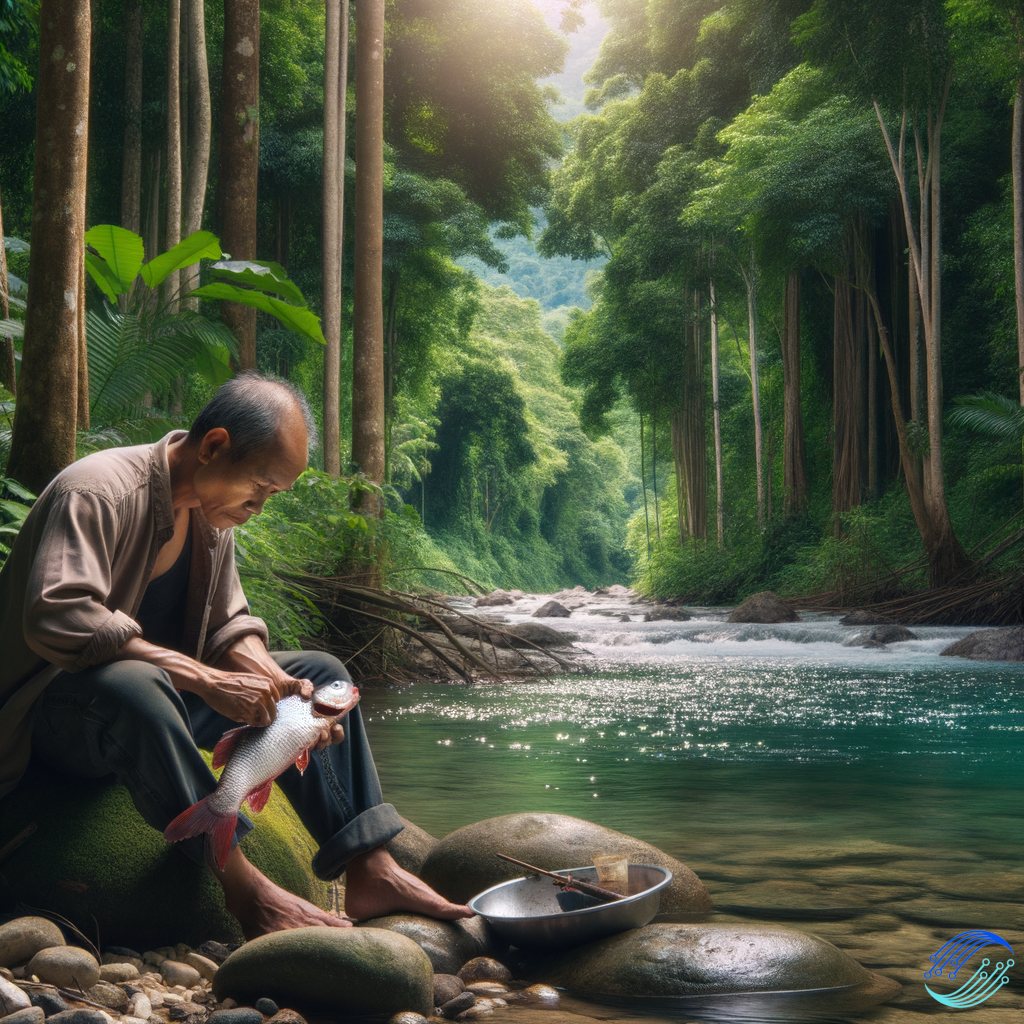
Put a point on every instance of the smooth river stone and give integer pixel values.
(65, 966)
(411, 847)
(764, 607)
(12, 998)
(449, 944)
(464, 863)
(23, 937)
(331, 971)
(671, 960)
(29, 1015)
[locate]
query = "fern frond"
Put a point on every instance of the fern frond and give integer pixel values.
(988, 413)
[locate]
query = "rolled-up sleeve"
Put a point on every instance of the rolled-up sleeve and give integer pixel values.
(67, 620)
(229, 610)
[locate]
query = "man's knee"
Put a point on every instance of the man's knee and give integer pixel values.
(317, 666)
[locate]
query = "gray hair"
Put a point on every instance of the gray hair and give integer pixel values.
(250, 407)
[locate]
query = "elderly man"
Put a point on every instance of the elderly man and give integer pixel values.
(128, 644)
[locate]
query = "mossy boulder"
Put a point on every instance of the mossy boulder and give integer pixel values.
(92, 855)
(764, 607)
(335, 972)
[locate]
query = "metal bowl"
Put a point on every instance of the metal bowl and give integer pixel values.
(534, 912)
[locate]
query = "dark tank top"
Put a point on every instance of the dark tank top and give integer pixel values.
(162, 612)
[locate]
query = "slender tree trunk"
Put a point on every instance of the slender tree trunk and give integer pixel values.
(44, 421)
(172, 230)
(794, 474)
(368, 314)
(131, 164)
(689, 435)
(1017, 160)
(8, 364)
(918, 373)
(390, 365)
(643, 485)
(199, 131)
(239, 157)
(750, 280)
(846, 479)
(719, 497)
(654, 472)
(335, 83)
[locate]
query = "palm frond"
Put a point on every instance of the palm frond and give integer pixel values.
(989, 413)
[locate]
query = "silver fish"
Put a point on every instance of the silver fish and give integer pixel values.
(252, 758)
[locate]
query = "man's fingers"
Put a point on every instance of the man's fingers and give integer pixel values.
(337, 732)
(300, 687)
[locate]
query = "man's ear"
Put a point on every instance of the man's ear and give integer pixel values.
(215, 440)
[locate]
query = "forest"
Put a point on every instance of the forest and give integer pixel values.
(751, 318)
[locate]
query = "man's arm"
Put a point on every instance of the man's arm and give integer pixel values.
(236, 691)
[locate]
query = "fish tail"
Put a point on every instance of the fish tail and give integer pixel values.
(200, 819)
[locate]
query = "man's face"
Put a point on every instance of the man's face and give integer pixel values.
(230, 492)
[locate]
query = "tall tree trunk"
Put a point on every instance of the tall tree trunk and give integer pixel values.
(1018, 224)
(390, 365)
(131, 162)
(367, 313)
(689, 436)
(794, 474)
(239, 157)
(199, 129)
(872, 406)
(335, 81)
(750, 280)
(172, 229)
(846, 479)
(719, 497)
(643, 485)
(8, 364)
(946, 556)
(44, 421)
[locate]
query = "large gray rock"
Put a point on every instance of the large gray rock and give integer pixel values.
(863, 617)
(495, 599)
(466, 862)
(552, 610)
(669, 960)
(764, 607)
(411, 846)
(12, 998)
(666, 615)
(878, 636)
(448, 944)
(65, 966)
(23, 937)
(539, 634)
(1004, 644)
(335, 972)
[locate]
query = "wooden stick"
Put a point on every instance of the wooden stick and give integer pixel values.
(567, 881)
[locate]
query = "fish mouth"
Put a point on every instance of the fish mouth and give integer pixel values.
(326, 710)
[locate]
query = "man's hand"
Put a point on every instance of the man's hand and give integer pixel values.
(248, 697)
(330, 734)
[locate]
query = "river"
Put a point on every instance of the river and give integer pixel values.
(872, 796)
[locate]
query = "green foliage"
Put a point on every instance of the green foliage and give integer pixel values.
(18, 30)
(15, 505)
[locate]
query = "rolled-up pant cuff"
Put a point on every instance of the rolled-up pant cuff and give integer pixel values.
(372, 828)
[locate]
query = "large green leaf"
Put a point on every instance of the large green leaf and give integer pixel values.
(100, 272)
(267, 277)
(122, 250)
(295, 318)
(199, 245)
(213, 364)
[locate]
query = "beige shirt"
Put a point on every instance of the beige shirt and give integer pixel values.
(76, 575)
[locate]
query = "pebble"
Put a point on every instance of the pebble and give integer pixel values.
(544, 995)
(463, 1001)
(50, 1002)
(118, 973)
(23, 937)
(156, 999)
(122, 951)
(228, 1004)
(6, 973)
(483, 968)
(173, 999)
(267, 1007)
(287, 1017)
(168, 952)
(206, 967)
(446, 986)
(154, 958)
(215, 951)
(486, 988)
(30, 1015)
(408, 1017)
(66, 966)
(108, 995)
(141, 1006)
(176, 973)
(81, 1017)
(12, 998)
(135, 1020)
(240, 1015)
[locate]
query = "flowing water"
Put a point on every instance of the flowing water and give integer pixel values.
(871, 796)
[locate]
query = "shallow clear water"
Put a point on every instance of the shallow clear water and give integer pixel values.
(789, 771)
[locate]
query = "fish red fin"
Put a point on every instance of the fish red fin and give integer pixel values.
(199, 819)
(226, 745)
(302, 761)
(258, 798)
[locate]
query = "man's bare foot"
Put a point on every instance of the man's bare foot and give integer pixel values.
(261, 907)
(376, 885)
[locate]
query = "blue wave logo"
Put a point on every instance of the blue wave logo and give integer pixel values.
(977, 988)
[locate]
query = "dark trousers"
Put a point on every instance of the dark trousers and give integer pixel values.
(124, 718)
